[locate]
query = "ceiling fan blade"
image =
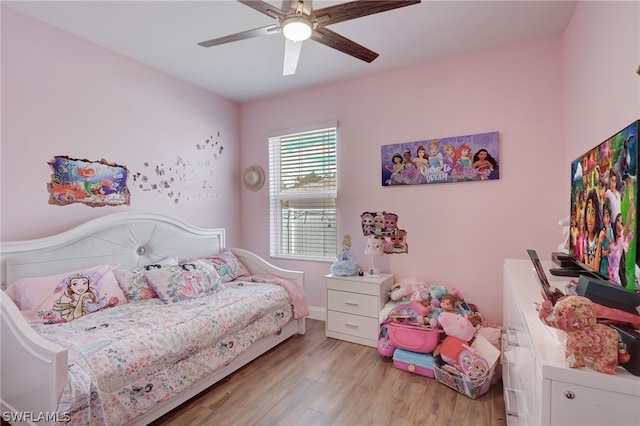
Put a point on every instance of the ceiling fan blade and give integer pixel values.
(240, 36)
(291, 55)
(264, 7)
(356, 9)
(343, 44)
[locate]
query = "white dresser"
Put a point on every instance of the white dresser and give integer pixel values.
(538, 388)
(353, 307)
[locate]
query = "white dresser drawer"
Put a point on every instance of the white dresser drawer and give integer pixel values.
(578, 405)
(354, 325)
(353, 303)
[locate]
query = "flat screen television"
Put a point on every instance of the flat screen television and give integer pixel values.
(604, 205)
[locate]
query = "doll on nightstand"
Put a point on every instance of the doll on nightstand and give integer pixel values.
(345, 264)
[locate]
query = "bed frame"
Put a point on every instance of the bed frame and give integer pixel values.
(33, 371)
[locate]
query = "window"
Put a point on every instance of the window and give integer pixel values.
(302, 192)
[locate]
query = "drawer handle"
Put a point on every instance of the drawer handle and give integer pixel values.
(350, 324)
(569, 394)
(511, 397)
(351, 303)
(511, 332)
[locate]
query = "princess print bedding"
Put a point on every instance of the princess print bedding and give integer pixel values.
(125, 359)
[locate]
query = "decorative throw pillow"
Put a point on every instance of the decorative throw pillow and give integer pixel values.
(228, 265)
(68, 296)
(185, 281)
(133, 282)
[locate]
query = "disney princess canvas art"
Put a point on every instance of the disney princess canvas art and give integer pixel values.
(452, 159)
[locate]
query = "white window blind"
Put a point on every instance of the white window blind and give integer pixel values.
(303, 187)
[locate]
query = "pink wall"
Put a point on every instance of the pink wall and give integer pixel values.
(458, 234)
(550, 100)
(601, 87)
(64, 96)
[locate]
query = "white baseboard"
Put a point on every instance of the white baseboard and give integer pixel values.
(317, 313)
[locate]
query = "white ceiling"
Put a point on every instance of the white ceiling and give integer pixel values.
(163, 34)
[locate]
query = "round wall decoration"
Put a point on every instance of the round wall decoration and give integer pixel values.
(254, 178)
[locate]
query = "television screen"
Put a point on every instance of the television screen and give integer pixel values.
(604, 199)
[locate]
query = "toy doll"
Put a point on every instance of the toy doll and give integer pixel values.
(448, 303)
(345, 264)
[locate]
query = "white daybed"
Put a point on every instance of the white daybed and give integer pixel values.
(34, 370)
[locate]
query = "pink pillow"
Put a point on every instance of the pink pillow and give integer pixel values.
(133, 282)
(68, 296)
(227, 265)
(189, 280)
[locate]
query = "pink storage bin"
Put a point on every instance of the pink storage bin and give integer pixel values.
(414, 338)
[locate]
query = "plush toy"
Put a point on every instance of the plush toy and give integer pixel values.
(576, 315)
(459, 331)
(436, 292)
(400, 291)
(409, 288)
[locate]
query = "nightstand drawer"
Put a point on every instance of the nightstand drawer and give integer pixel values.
(363, 285)
(354, 325)
(353, 303)
(353, 307)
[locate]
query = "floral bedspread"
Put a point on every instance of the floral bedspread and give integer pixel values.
(124, 360)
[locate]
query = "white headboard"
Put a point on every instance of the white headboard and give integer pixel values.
(127, 239)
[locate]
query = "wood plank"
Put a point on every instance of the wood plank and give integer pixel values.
(315, 380)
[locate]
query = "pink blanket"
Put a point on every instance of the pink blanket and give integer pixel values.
(298, 298)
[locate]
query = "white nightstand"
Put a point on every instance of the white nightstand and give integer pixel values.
(353, 307)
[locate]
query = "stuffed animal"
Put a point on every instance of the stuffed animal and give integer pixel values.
(459, 331)
(436, 292)
(576, 315)
(400, 291)
(409, 288)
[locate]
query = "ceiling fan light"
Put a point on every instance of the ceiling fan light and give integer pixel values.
(296, 29)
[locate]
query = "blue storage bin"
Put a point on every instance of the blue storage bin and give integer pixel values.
(414, 362)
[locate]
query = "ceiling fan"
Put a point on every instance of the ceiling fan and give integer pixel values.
(297, 21)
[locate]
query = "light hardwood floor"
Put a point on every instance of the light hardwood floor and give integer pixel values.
(315, 380)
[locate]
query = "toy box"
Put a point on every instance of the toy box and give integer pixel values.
(471, 387)
(414, 362)
(414, 338)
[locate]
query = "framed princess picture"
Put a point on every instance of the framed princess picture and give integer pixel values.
(445, 160)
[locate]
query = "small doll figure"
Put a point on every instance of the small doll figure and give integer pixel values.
(345, 264)
(448, 303)
(345, 254)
